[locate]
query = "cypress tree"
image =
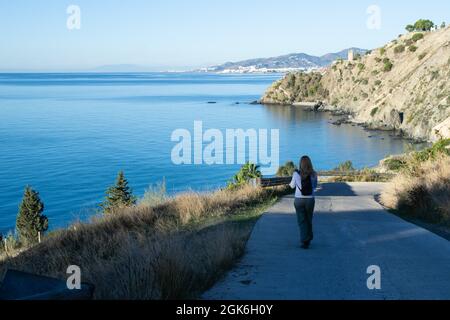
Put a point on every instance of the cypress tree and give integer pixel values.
(30, 219)
(118, 196)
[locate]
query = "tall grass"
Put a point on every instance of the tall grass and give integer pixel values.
(422, 189)
(173, 249)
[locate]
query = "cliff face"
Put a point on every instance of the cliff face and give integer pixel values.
(404, 86)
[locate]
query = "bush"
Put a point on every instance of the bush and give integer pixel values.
(382, 51)
(361, 66)
(439, 148)
(387, 65)
(424, 193)
(378, 82)
(155, 195)
(417, 37)
(422, 189)
(422, 55)
(399, 49)
(412, 48)
(434, 75)
(245, 174)
(408, 42)
(395, 164)
(346, 166)
(374, 111)
(287, 170)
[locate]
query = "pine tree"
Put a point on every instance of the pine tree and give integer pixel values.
(118, 196)
(30, 219)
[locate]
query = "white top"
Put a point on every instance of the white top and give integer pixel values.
(296, 184)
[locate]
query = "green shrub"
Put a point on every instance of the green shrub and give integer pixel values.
(408, 42)
(382, 51)
(399, 49)
(364, 95)
(355, 99)
(378, 60)
(417, 37)
(361, 66)
(247, 172)
(286, 170)
(378, 82)
(374, 111)
(440, 147)
(365, 82)
(434, 75)
(395, 164)
(422, 55)
(387, 65)
(346, 166)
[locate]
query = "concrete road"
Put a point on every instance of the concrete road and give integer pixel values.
(352, 232)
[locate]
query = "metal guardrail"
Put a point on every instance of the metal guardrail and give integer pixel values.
(282, 181)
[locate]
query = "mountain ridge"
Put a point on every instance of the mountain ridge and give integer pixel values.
(300, 61)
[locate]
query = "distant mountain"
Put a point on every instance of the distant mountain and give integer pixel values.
(298, 61)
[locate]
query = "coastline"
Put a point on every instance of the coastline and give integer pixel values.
(348, 117)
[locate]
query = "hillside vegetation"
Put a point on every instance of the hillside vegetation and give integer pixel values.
(402, 86)
(161, 248)
(421, 189)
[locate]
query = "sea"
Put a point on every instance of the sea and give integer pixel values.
(68, 134)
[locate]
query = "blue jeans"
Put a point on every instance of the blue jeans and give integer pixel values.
(304, 207)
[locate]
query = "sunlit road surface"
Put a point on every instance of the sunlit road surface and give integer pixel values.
(352, 232)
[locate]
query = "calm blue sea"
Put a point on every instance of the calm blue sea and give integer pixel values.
(67, 135)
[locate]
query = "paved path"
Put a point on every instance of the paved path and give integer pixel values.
(352, 232)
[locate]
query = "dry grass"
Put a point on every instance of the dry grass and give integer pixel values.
(422, 191)
(174, 250)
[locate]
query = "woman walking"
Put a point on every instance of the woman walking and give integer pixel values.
(304, 181)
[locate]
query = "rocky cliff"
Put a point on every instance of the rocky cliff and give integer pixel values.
(403, 86)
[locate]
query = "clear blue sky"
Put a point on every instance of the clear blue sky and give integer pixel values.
(173, 34)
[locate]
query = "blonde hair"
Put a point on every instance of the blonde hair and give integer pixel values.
(306, 167)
